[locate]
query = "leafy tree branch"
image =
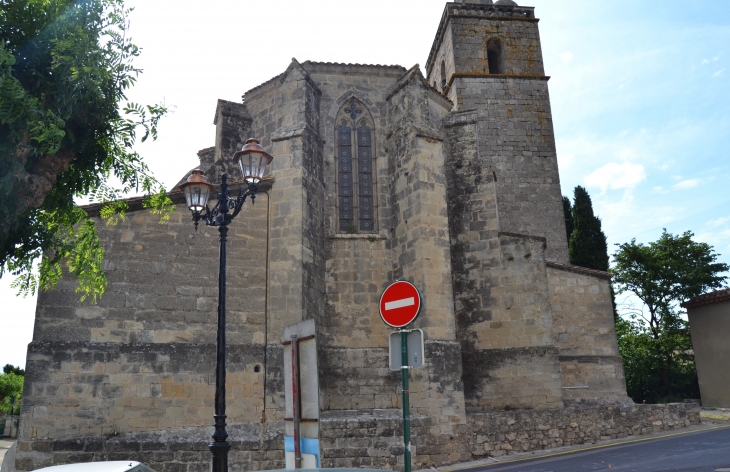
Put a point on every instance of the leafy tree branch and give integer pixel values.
(67, 131)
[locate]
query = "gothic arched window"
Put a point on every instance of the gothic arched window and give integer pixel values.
(355, 167)
(495, 56)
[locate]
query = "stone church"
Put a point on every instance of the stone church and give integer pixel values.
(449, 180)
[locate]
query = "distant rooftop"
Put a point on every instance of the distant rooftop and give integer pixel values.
(708, 298)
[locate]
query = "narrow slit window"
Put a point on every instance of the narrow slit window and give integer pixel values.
(443, 75)
(495, 56)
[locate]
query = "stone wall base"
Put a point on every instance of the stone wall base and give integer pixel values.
(507, 432)
(253, 447)
(372, 438)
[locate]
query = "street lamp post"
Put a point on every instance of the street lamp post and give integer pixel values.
(252, 160)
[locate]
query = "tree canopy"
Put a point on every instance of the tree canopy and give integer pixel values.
(568, 214)
(11, 369)
(11, 390)
(667, 272)
(66, 131)
(656, 344)
(587, 243)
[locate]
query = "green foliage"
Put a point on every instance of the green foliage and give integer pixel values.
(11, 369)
(655, 343)
(587, 243)
(568, 214)
(11, 390)
(66, 131)
(657, 370)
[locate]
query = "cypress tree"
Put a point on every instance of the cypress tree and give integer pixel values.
(568, 214)
(587, 244)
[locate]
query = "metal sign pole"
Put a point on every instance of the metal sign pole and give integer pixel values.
(406, 398)
(296, 404)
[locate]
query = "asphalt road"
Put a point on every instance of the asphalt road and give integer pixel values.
(704, 451)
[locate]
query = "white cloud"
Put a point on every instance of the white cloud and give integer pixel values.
(616, 176)
(686, 184)
(566, 56)
(719, 221)
(660, 189)
(719, 73)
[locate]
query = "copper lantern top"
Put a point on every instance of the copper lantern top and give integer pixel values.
(252, 159)
(197, 190)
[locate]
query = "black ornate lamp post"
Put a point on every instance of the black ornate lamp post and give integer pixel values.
(252, 160)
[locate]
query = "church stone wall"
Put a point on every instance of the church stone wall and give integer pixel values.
(516, 140)
(468, 208)
(585, 334)
(142, 360)
(421, 250)
(500, 289)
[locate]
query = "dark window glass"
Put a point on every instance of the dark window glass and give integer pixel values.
(344, 179)
(365, 178)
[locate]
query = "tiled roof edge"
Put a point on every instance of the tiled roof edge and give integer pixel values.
(717, 296)
(347, 64)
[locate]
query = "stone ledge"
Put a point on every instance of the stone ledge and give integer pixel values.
(578, 270)
(358, 236)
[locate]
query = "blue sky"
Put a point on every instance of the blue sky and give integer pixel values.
(639, 94)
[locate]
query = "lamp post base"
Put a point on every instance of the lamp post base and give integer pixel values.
(219, 448)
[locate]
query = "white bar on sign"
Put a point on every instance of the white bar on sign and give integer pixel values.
(400, 303)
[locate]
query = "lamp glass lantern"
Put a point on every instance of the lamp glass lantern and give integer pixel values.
(252, 159)
(197, 191)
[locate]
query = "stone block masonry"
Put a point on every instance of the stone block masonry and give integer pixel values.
(585, 334)
(507, 432)
(254, 447)
(454, 184)
(372, 438)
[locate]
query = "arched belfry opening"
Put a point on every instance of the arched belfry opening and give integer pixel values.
(356, 196)
(443, 75)
(495, 56)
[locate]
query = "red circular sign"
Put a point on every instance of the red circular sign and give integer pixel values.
(400, 304)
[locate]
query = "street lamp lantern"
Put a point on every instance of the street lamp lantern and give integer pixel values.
(252, 160)
(197, 191)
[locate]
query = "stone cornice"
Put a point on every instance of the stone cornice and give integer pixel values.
(484, 75)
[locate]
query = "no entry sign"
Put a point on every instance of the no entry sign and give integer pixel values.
(400, 304)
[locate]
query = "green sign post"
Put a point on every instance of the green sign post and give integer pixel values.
(406, 401)
(400, 305)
